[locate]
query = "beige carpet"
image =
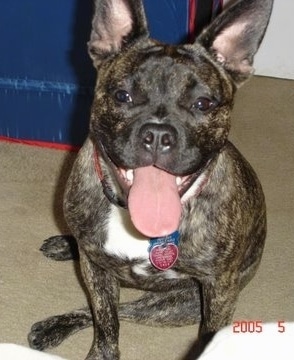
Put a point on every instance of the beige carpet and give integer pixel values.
(31, 184)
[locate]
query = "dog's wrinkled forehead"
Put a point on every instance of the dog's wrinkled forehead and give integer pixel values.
(164, 69)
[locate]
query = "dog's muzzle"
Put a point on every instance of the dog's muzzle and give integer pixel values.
(158, 139)
(157, 144)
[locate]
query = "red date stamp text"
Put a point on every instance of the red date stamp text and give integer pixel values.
(255, 326)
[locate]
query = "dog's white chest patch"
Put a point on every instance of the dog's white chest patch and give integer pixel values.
(125, 242)
(123, 239)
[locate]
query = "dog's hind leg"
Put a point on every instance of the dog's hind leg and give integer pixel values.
(52, 331)
(60, 248)
(171, 309)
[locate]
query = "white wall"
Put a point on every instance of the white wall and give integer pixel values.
(276, 55)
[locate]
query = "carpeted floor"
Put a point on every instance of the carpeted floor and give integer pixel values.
(31, 185)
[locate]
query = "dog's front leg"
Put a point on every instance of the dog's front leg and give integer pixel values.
(103, 289)
(219, 304)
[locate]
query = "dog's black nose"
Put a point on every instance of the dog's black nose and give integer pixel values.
(158, 138)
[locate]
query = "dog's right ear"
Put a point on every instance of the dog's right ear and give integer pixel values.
(116, 24)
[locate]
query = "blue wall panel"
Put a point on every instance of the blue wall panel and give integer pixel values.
(46, 77)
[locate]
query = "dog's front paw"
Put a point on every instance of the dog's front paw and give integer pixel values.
(60, 248)
(47, 334)
(53, 330)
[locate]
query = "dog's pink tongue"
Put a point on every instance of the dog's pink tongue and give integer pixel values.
(154, 202)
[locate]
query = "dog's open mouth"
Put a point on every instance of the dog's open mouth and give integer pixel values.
(154, 195)
(154, 199)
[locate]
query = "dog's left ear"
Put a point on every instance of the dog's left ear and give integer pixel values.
(235, 35)
(116, 24)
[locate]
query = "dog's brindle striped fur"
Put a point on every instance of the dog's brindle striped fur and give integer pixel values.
(188, 89)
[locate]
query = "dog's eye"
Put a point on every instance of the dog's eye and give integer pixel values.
(123, 96)
(204, 104)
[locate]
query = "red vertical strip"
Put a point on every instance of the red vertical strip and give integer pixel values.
(192, 19)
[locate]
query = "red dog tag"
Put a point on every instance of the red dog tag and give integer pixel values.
(164, 251)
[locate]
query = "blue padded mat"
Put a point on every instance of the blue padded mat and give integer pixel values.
(46, 77)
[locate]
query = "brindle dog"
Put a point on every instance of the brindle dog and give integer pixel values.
(158, 198)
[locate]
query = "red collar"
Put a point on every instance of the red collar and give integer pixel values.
(107, 190)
